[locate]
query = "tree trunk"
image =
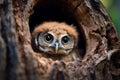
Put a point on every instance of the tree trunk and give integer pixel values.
(101, 45)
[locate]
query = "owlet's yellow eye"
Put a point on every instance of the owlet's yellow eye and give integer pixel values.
(65, 40)
(48, 38)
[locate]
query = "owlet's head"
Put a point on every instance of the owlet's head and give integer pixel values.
(54, 38)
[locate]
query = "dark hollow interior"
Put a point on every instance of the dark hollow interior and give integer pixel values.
(115, 58)
(55, 11)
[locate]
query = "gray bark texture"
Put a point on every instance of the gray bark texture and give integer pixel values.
(101, 47)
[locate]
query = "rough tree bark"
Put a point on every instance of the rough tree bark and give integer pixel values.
(18, 61)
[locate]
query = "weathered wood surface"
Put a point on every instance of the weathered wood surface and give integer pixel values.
(18, 61)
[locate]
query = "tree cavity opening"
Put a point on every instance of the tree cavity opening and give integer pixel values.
(55, 10)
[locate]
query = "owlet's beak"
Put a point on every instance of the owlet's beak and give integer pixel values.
(56, 47)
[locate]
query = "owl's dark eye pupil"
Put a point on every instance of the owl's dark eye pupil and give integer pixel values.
(65, 40)
(48, 37)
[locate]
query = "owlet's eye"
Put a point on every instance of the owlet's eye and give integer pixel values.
(48, 38)
(65, 40)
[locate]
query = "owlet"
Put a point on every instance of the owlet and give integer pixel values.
(55, 38)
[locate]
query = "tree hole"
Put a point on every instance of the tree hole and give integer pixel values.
(55, 10)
